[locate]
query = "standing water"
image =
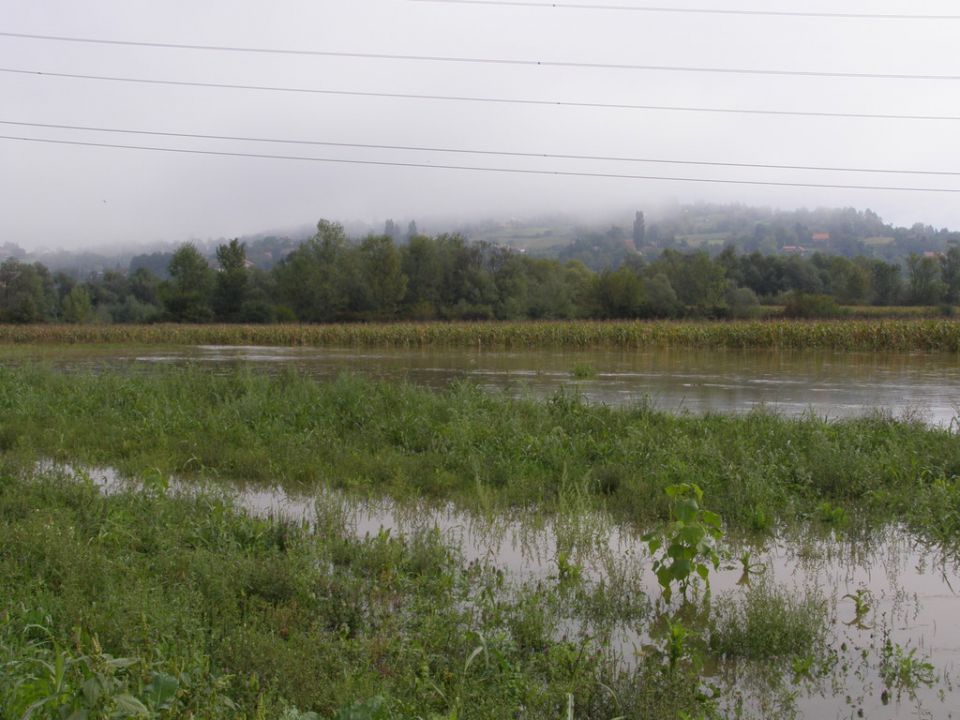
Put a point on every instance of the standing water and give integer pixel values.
(925, 386)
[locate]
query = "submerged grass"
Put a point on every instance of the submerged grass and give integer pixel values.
(770, 624)
(481, 451)
(903, 334)
(138, 604)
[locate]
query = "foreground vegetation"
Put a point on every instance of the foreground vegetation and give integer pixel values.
(142, 605)
(903, 335)
(163, 600)
(482, 451)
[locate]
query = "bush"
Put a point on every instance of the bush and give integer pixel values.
(802, 305)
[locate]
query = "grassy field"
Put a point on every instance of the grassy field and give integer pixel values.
(483, 452)
(153, 603)
(904, 335)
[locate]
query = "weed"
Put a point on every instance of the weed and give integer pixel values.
(902, 670)
(771, 623)
(862, 604)
(583, 371)
(691, 541)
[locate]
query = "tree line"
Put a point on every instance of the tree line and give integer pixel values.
(330, 278)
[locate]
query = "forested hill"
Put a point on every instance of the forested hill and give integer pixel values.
(333, 278)
(711, 228)
(600, 244)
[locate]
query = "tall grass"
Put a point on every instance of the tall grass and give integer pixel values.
(483, 451)
(861, 334)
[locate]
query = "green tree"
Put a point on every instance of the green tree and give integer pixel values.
(925, 285)
(639, 229)
(697, 280)
(620, 293)
(77, 307)
(950, 271)
(27, 292)
(315, 279)
(886, 281)
(232, 281)
(145, 286)
(187, 295)
(382, 275)
(422, 265)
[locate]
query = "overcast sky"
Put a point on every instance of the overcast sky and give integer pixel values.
(72, 197)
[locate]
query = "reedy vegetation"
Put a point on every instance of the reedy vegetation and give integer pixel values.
(483, 451)
(909, 335)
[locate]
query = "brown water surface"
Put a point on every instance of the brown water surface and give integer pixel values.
(828, 384)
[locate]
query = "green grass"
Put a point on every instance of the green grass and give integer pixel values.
(770, 624)
(903, 334)
(481, 451)
(139, 604)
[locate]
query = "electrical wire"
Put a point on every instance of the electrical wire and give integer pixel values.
(481, 99)
(694, 11)
(466, 151)
(497, 61)
(472, 168)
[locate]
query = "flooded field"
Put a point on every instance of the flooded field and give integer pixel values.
(892, 643)
(887, 598)
(828, 384)
(534, 525)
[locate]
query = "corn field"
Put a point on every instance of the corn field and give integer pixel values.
(895, 335)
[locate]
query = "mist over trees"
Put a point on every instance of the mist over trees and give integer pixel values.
(694, 261)
(385, 277)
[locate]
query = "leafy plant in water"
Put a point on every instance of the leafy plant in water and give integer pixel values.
(691, 545)
(678, 647)
(749, 568)
(831, 514)
(583, 371)
(861, 606)
(568, 570)
(901, 669)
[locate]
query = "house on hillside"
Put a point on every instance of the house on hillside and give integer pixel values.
(820, 237)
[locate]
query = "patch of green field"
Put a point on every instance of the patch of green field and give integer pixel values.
(482, 451)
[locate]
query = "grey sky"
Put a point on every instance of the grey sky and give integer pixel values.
(71, 197)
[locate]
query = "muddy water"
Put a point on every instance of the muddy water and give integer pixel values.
(910, 590)
(829, 384)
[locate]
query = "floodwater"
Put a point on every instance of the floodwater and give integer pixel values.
(909, 588)
(924, 386)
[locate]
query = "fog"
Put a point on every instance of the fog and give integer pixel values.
(75, 197)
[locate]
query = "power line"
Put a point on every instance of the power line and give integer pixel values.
(473, 168)
(481, 99)
(496, 61)
(694, 11)
(467, 151)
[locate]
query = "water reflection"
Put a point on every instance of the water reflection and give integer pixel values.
(828, 384)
